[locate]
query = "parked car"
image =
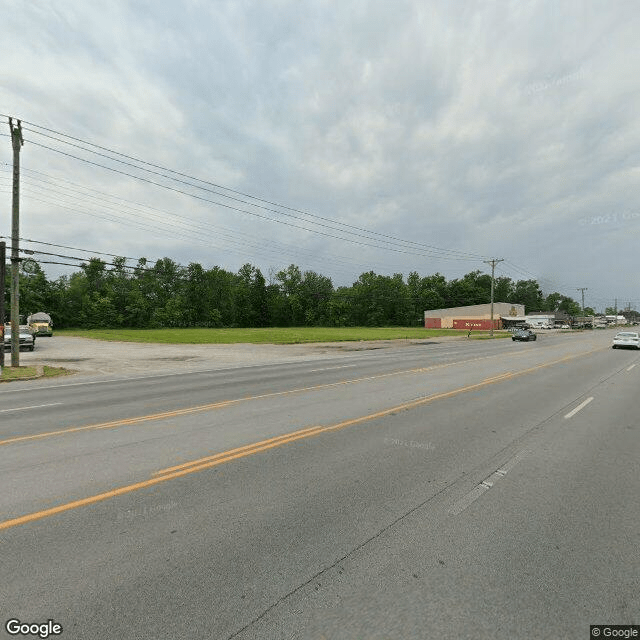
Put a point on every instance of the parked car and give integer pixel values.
(524, 335)
(27, 339)
(625, 339)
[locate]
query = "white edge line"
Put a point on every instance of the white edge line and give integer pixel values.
(582, 405)
(344, 366)
(36, 406)
(147, 377)
(631, 367)
(125, 378)
(152, 376)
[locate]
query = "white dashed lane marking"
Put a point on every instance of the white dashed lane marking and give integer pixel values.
(581, 406)
(469, 498)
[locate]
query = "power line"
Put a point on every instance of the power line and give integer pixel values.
(252, 213)
(195, 229)
(68, 264)
(195, 235)
(62, 246)
(81, 259)
(218, 186)
(139, 208)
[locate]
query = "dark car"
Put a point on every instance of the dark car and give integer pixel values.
(523, 335)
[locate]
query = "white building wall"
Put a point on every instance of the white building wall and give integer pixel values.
(541, 321)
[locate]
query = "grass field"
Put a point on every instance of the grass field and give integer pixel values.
(297, 335)
(22, 373)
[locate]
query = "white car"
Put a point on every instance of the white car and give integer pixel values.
(27, 339)
(627, 339)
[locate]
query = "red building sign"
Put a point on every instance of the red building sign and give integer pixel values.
(475, 325)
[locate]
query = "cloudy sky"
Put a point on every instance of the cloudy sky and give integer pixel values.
(340, 136)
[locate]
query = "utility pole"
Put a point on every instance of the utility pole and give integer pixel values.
(583, 289)
(493, 264)
(17, 142)
(3, 259)
(615, 310)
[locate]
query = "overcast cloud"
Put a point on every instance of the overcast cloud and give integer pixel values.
(501, 129)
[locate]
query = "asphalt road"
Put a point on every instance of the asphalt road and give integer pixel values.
(444, 489)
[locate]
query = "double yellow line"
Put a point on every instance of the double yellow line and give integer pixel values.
(126, 421)
(242, 452)
(225, 403)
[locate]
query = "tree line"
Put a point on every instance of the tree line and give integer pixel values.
(166, 294)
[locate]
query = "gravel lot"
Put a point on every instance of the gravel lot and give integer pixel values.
(95, 357)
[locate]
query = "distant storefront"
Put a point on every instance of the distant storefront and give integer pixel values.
(473, 317)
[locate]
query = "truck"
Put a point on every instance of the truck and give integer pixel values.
(40, 324)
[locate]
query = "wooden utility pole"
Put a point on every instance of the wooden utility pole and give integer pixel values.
(583, 289)
(17, 142)
(3, 260)
(493, 264)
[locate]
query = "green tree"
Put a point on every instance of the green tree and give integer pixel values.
(251, 297)
(570, 306)
(162, 287)
(552, 301)
(315, 292)
(291, 309)
(378, 300)
(528, 293)
(472, 288)
(503, 289)
(35, 289)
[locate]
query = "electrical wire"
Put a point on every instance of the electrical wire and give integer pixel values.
(199, 229)
(175, 233)
(103, 197)
(193, 179)
(252, 213)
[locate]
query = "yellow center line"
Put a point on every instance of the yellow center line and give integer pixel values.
(126, 421)
(224, 403)
(242, 452)
(246, 447)
(507, 374)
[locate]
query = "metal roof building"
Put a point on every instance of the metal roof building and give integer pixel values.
(476, 316)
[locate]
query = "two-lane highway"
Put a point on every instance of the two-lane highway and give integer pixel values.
(419, 492)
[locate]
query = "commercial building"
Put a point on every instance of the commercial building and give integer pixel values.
(548, 319)
(541, 320)
(473, 317)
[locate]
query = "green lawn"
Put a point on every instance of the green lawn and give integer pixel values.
(295, 335)
(22, 373)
